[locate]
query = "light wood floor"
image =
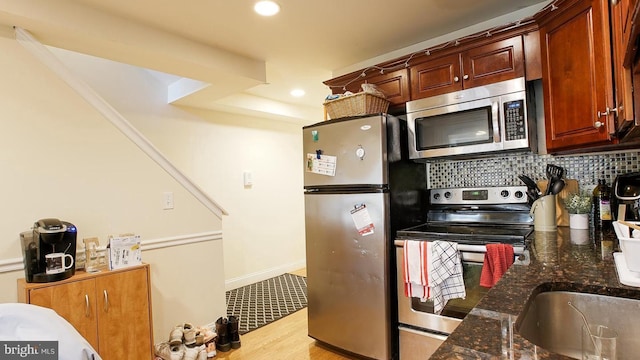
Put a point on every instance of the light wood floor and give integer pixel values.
(282, 339)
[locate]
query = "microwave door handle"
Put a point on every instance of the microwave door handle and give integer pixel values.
(495, 119)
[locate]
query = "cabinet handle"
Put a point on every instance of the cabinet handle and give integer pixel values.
(87, 313)
(106, 301)
(465, 77)
(601, 114)
(456, 79)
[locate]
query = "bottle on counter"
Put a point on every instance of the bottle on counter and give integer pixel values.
(602, 206)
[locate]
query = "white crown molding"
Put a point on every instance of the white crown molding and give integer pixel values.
(15, 264)
(103, 107)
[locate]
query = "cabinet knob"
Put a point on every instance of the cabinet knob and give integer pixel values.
(465, 77)
(597, 124)
(456, 79)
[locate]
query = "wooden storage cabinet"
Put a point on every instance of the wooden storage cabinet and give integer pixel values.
(477, 66)
(111, 309)
(577, 81)
(394, 84)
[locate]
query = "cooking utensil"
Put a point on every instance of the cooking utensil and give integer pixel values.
(532, 189)
(557, 186)
(554, 173)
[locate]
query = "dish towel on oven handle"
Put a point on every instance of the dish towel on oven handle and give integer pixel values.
(415, 272)
(497, 260)
(445, 274)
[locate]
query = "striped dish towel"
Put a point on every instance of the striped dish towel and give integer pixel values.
(415, 271)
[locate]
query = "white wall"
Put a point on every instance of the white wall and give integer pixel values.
(61, 159)
(264, 231)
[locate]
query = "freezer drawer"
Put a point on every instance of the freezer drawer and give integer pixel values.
(348, 274)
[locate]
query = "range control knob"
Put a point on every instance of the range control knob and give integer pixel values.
(436, 196)
(448, 195)
(504, 193)
(518, 194)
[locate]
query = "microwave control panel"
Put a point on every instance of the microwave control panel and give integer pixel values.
(514, 124)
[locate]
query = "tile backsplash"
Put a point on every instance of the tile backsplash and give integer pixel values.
(504, 169)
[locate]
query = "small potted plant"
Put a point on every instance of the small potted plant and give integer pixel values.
(578, 206)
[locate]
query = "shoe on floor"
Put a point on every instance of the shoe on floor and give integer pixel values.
(168, 352)
(204, 334)
(234, 335)
(175, 337)
(222, 340)
(189, 334)
(193, 353)
(211, 349)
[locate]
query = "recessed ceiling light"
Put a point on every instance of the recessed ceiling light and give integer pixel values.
(266, 8)
(297, 92)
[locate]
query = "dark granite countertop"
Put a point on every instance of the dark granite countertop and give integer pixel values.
(566, 260)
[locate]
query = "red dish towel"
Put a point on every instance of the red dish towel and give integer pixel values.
(497, 260)
(414, 264)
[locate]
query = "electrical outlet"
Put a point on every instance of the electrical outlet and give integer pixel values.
(167, 203)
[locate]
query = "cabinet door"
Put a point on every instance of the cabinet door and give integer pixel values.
(577, 79)
(124, 315)
(395, 85)
(436, 77)
(620, 32)
(74, 301)
(491, 63)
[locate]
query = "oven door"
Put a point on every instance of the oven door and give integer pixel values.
(414, 312)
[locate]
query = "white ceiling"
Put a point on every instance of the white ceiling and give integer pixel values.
(255, 59)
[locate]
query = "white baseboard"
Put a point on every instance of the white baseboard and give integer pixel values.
(263, 275)
(15, 264)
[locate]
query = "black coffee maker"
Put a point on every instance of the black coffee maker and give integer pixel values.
(625, 200)
(48, 236)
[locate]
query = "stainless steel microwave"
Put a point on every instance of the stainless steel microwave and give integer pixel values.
(480, 120)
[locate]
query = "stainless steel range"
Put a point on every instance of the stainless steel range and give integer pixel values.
(472, 217)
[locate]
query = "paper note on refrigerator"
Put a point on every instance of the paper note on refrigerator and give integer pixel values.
(321, 164)
(362, 220)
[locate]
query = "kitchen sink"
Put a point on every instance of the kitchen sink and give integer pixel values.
(550, 323)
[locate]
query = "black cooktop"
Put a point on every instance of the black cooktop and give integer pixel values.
(468, 233)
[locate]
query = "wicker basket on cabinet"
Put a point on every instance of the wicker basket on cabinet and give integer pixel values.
(357, 104)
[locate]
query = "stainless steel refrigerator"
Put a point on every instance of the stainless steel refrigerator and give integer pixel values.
(359, 189)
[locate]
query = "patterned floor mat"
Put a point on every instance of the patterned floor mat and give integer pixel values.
(266, 301)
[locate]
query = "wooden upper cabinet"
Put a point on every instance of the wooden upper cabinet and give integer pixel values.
(394, 84)
(621, 23)
(491, 63)
(477, 66)
(436, 77)
(577, 81)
